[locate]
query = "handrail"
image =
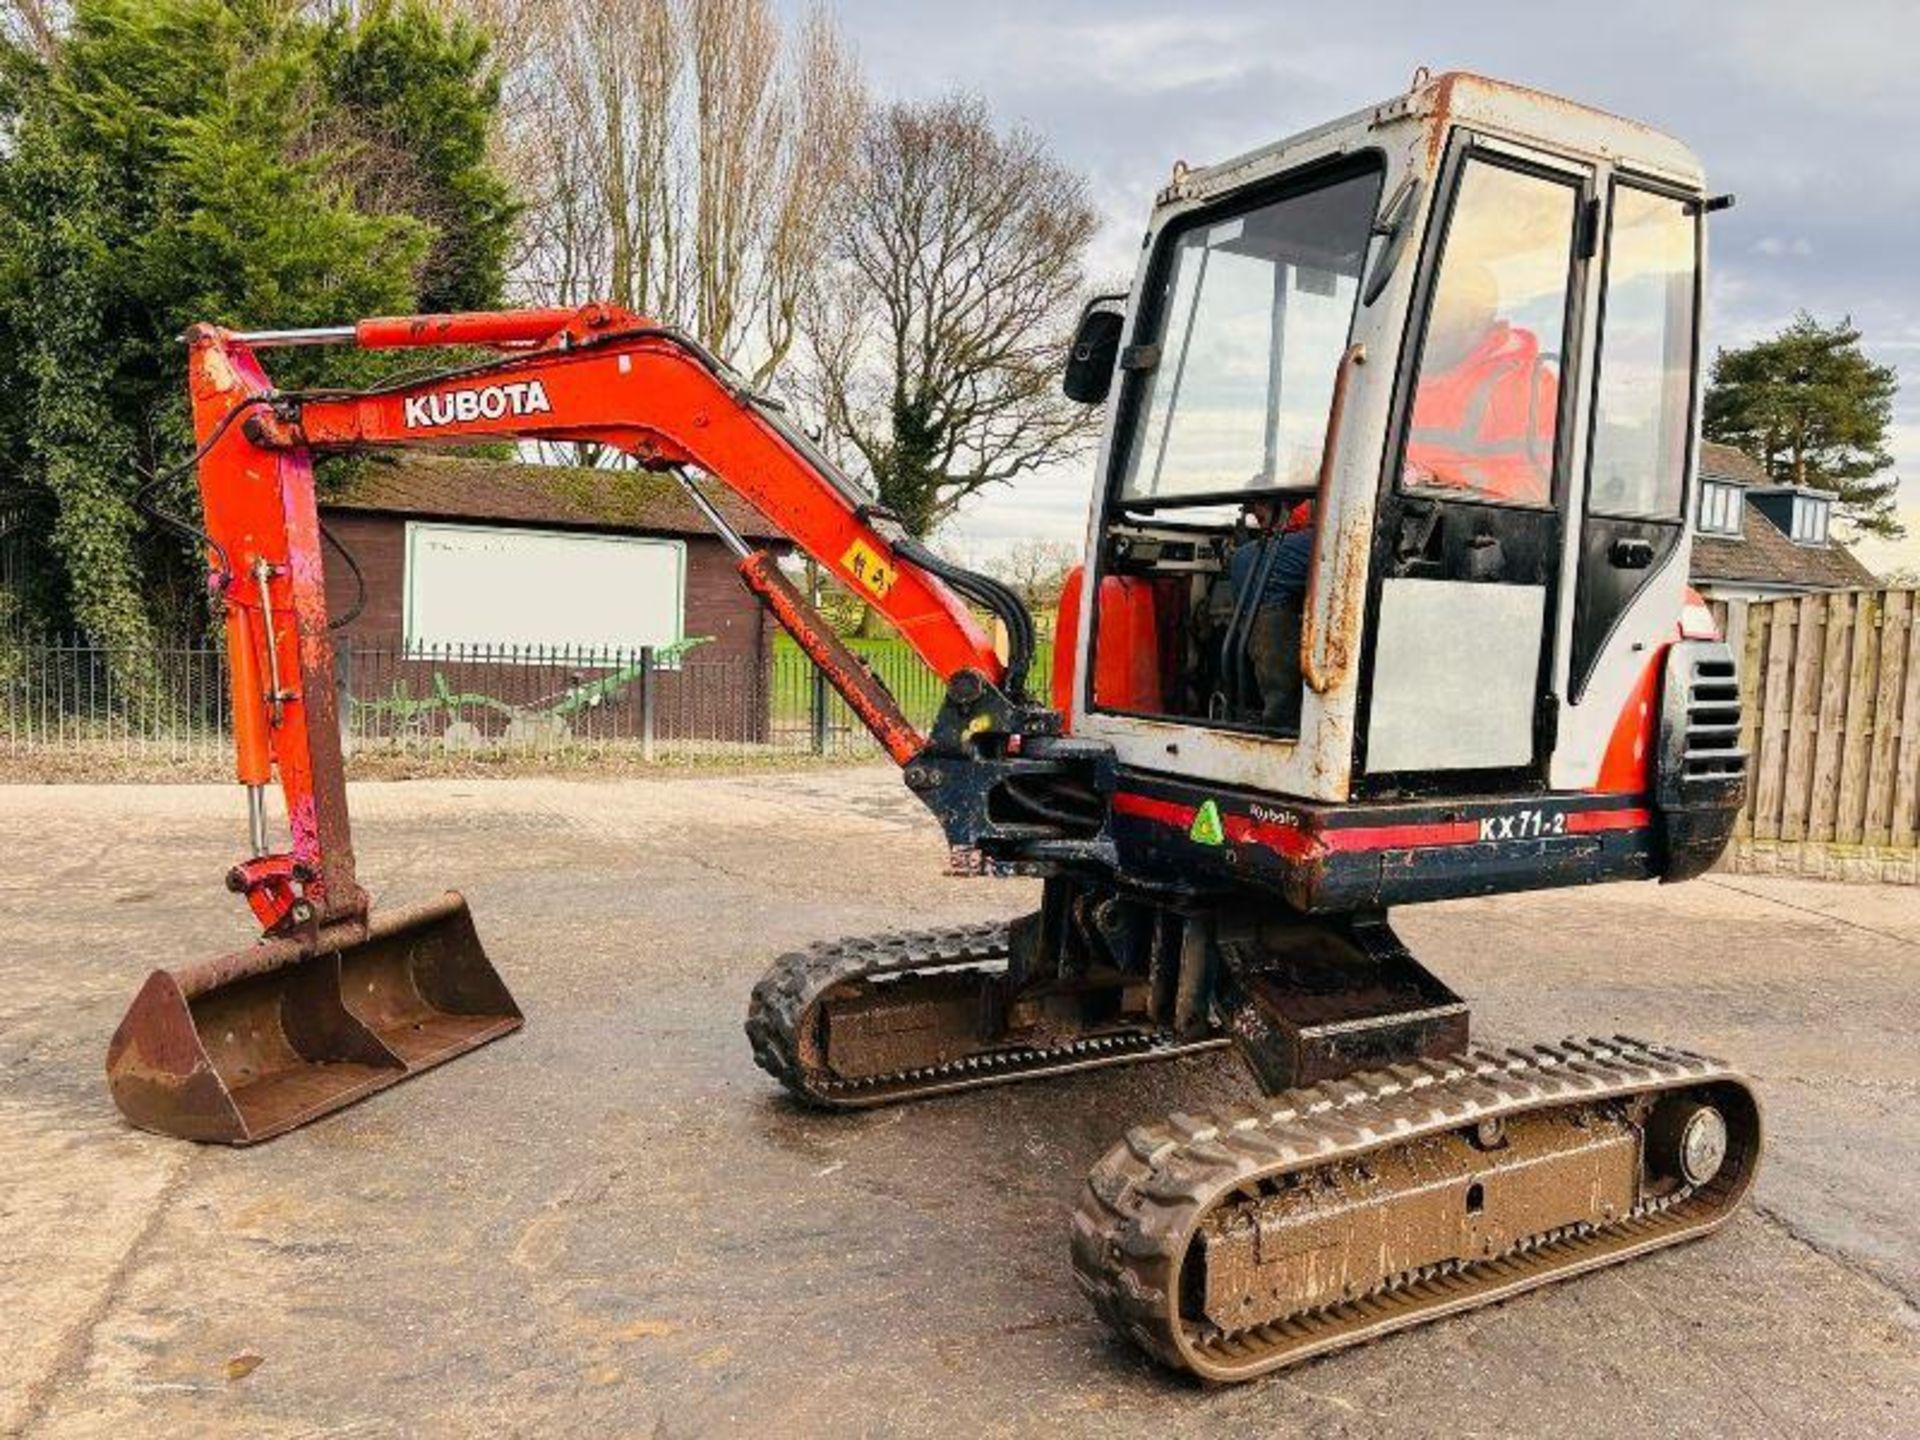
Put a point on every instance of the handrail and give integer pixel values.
(1314, 663)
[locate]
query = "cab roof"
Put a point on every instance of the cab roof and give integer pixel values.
(1457, 97)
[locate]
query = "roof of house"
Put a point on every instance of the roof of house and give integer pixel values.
(511, 492)
(1764, 554)
(1734, 467)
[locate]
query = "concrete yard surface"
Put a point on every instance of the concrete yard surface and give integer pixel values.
(613, 1224)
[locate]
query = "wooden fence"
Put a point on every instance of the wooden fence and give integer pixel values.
(1831, 719)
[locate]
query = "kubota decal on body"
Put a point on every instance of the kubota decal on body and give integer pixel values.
(483, 402)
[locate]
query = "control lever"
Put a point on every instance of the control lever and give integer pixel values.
(1414, 551)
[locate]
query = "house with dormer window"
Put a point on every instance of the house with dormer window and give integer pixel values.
(1757, 540)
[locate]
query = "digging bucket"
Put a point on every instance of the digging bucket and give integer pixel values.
(249, 1045)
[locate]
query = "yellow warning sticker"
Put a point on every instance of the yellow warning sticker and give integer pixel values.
(865, 564)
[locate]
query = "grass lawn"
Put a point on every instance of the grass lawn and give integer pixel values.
(917, 688)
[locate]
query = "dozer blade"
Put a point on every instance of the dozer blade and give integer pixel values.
(249, 1045)
(1233, 1244)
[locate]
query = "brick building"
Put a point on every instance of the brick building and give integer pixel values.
(553, 523)
(480, 572)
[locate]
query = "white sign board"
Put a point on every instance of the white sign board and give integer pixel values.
(474, 585)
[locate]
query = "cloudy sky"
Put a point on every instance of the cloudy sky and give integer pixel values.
(1804, 109)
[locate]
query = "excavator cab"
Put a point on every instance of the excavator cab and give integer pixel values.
(1399, 431)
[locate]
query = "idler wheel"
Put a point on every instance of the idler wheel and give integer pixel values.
(1687, 1139)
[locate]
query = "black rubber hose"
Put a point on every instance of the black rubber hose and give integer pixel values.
(359, 580)
(996, 597)
(143, 497)
(1049, 812)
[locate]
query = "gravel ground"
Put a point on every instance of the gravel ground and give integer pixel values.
(612, 1223)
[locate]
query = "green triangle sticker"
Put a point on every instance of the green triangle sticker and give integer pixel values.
(1206, 828)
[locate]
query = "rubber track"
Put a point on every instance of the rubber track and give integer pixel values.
(1145, 1199)
(784, 1001)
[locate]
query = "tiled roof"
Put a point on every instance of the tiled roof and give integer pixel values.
(464, 487)
(1736, 467)
(1765, 556)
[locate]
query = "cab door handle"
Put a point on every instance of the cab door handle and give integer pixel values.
(1627, 554)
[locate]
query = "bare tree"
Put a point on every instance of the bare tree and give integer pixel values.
(518, 30)
(1036, 569)
(34, 26)
(683, 158)
(935, 349)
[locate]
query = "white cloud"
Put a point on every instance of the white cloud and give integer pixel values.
(1144, 56)
(1049, 504)
(1844, 58)
(1775, 247)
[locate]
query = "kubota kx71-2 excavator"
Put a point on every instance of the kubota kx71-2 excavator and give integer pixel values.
(1462, 327)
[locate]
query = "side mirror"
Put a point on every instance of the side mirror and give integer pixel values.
(1096, 348)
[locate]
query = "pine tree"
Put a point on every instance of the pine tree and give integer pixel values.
(1814, 410)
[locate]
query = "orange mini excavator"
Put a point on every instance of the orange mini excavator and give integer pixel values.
(1462, 329)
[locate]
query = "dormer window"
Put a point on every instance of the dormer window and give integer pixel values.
(1799, 512)
(1811, 515)
(1720, 507)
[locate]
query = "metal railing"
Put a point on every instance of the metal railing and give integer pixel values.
(72, 698)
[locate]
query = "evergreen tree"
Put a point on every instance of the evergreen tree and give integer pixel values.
(1814, 410)
(236, 161)
(421, 98)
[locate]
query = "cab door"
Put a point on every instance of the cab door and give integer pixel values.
(1467, 550)
(1645, 377)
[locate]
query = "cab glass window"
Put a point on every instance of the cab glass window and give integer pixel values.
(1487, 398)
(1253, 311)
(1643, 391)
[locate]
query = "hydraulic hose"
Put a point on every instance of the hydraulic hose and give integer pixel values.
(997, 597)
